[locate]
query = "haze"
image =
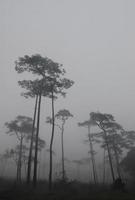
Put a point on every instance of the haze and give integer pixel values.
(95, 42)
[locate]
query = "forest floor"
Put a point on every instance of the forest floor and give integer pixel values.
(69, 191)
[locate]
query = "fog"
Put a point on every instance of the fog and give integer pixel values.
(94, 40)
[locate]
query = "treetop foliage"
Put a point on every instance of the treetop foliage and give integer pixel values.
(114, 126)
(34, 88)
(52, 76)
(21, 124)
(63, 114)
(112, 134)
(39, 65)
(101, 118)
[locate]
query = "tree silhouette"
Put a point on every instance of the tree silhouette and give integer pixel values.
(34, 89)
(43, 67)
(57, 87)
(14, 154)
(63, 116)
(115, 140)
(115, 143)
(20, 127)
(88, 125)
(101, 121)
(51, 74)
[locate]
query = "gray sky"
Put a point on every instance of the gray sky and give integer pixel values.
(93, 39)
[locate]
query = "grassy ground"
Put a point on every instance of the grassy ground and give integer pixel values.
(69, 191)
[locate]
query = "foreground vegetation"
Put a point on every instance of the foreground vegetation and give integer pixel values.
(70, 190)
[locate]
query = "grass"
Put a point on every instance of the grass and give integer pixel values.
(61, 191)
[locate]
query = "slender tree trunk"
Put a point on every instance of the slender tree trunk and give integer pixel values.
(90, 180)
(31, 143)
(109, 155)
(104, 164)
(62, 145)
(25, 169)
(17, 171)
(39, 165)
(19, 165)
(36, 145)
(44, 164)
(92, 156)
(3, 167)
(117, 159)
(118, 165)
(51, 144)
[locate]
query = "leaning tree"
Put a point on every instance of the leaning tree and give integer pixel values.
(101, 121)
(119, 141)
(20, 127)
(114, 139)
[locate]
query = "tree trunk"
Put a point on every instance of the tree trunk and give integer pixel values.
(19, 165)
(51, 143)
(117, 163)
(92, 157)
(89, 170)
(104, 168)
(36, 145)
(62, 145)
(109, 155)
(17, 171)
(117, 159)
(39, 165)
(31, 143)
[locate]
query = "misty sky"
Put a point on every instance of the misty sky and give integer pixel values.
(95, 42)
